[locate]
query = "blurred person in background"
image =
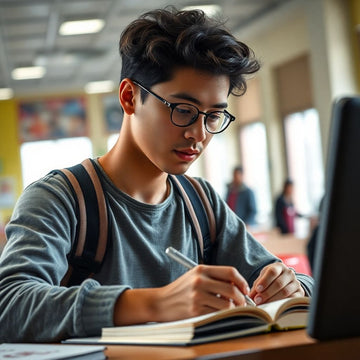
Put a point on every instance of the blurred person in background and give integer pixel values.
(241, 198)
(285, 212)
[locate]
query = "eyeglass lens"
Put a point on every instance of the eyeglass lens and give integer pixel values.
(186, 114)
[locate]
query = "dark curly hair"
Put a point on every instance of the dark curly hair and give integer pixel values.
(161, 41)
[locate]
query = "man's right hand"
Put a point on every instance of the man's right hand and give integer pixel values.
(199, 291)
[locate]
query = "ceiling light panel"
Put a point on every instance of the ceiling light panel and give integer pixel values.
(209, 10)
(99, 87)
(78, 27)
(25, 73)
(6, 93)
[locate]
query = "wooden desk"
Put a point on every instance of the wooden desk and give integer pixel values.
(291, 345)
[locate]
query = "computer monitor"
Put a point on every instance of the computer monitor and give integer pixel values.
(335, 306)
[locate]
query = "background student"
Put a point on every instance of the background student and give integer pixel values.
(241, 198)
(285, 212)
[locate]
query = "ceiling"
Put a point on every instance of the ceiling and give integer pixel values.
(29, 36)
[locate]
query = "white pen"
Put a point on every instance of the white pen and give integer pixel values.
(189, 264)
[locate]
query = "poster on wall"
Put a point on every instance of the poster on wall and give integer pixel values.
(113, 113)
(52, 119)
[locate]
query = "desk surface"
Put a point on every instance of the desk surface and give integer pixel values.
(281, 345)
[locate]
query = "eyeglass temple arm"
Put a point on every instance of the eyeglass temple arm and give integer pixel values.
(152, 93)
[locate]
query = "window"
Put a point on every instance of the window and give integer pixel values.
(253, 146)
(112, 139)
(216, 163)
(40, 157)
(304, 158)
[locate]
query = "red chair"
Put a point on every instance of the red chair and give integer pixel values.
(299, 262)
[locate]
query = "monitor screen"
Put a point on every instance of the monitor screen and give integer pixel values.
(335, 306)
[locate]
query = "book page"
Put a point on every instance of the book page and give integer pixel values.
(186, 325)
(276, 308)
(293, 320)
(240, 317)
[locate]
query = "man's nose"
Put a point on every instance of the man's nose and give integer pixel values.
(197, 129)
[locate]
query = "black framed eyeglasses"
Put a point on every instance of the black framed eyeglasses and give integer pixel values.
(183, 114)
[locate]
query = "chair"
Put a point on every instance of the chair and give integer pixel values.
(299, 262)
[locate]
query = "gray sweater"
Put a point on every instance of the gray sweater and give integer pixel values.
(33, 305)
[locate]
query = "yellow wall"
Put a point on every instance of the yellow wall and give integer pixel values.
(10, 165)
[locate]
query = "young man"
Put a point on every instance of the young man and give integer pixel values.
(178, 69)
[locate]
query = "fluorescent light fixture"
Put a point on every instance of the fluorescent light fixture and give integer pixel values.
(209, 10)
(95, 87)
(6, 93)
(78, 27)
(31, 72)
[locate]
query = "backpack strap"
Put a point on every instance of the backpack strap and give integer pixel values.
(88, 252)
(199, 211)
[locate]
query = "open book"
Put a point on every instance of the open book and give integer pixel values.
(239, 321)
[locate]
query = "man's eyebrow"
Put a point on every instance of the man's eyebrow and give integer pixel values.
(187, 97)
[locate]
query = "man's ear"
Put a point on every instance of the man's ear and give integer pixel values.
(127, 96)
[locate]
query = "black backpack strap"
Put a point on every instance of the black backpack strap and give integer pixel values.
(199, 211)
(88, 252)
